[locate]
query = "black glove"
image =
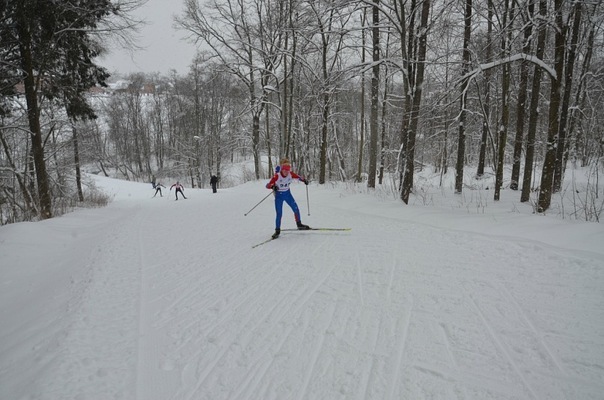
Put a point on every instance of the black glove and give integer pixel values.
(275, 188)
(305, 181)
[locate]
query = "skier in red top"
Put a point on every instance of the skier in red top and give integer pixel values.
(179, 189)
(280, 185)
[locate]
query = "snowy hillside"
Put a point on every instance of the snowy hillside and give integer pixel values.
(156, 299)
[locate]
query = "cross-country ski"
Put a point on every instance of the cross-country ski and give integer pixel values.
(316, 229)
(263, 242)
(275, 236)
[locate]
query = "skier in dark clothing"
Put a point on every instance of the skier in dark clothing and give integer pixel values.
(280, 185)
(179, 189)
(214, 182)
(158, 187)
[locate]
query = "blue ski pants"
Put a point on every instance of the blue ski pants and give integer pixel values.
(287, 197)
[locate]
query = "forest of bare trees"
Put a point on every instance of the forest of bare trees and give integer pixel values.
(348, 90)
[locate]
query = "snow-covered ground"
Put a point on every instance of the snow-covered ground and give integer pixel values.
(156, 299)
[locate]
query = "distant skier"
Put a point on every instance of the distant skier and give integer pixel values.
(214, 182)
(158, 187)
(280, 185)
(179, 189)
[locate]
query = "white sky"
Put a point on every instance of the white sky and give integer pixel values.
(165, 48)
(451, 297)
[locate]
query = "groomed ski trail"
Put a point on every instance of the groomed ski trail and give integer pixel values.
(344, 316)
(395, 309)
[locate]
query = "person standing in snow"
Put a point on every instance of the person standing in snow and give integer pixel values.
(158, 187)
(280, 185)
(214, 182)
(179, 189)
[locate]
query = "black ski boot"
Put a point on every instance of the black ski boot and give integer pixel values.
(301, 226)
(276, 234)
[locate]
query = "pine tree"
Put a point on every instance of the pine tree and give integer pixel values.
(50, 48)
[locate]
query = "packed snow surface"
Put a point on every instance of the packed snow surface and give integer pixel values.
(157, 299)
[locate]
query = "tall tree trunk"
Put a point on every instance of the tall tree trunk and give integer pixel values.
(267, 129)
(341, 160)
(581, 94)
(534, 106)
(285, 138)
(549, 164)
(486, 117)
(384, 114)
(362, 127)
(375, 88)
(417, 97)
(292, 86)
(461, 142)
(562, 147)
(505, 99)
(255, 120)
(325, 106)
(33, 115)
(522, 97)
(256, 143)
(289, 65)
(408, 53)
(76, 159)
(324, 137)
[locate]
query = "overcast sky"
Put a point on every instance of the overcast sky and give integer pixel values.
(164, 46)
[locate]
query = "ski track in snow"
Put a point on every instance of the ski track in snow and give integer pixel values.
(325, 315)
(98, 344)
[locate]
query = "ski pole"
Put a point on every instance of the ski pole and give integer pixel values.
(257, 204)
(307, 202)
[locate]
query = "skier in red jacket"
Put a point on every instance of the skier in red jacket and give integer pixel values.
(280, 185)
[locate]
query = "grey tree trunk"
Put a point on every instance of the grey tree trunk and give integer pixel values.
(486, 117)
(505, 100)
(534, 106)
(549, 164)
(362, 112)
(417, 97)
(76, 159)
(522, 98)
(33, 117)
(562, 147)
(375, 88)
(461, 142)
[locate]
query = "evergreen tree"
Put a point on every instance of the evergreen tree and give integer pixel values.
(49, 46)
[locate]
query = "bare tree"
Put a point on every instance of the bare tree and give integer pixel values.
(416, 90)
(359, 174)
(549, 163)
(522, 96)
(461, 143)
(534, 105)
(247, 46)
(506, 39)
(486, 104)
(578, 115)
(375, 86)
(569, 68)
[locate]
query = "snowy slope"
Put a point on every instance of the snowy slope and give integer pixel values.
(156, 299)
